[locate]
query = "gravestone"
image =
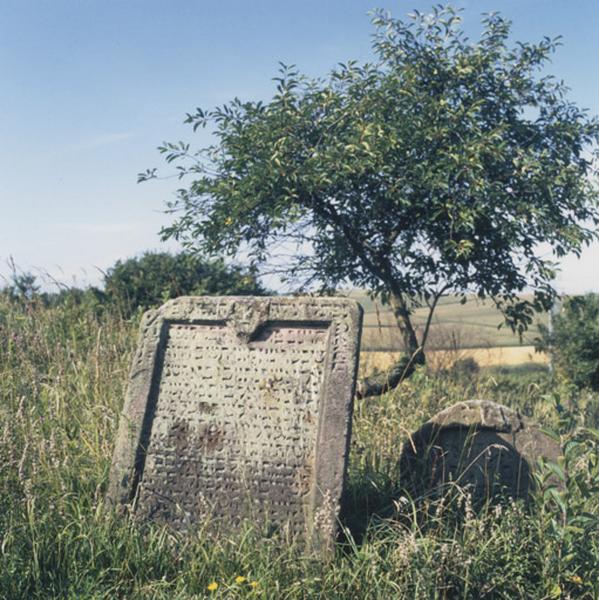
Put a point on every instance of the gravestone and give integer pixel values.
(240, 408)
(486, 447)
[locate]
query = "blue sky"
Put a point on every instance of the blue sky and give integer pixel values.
(91, 88)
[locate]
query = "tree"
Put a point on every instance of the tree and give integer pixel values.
(24, 287)
(439, 168)
(153, 278)
(21, 286)
(573, 340)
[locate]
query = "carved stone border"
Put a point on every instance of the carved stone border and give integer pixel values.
(245, 315)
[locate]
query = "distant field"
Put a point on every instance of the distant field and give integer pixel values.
(455, 326)
(485, 357)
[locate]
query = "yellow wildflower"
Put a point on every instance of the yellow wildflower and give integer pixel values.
(212, 586)
(576, 579)
(254, 584)
(239, 579)
(228, 221)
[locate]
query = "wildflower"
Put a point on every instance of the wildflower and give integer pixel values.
(253, 584)
(556, 591)
(228, 221)
(212, 586)
(239, 579)
(577, 579)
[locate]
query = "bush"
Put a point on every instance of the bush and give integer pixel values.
(154, 278)
(466, 366)
(574, 341)
(21, 286)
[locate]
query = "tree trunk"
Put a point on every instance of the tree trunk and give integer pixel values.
(414, 355)
(402, 317)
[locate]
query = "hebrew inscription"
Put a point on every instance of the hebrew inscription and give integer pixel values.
(240, 408)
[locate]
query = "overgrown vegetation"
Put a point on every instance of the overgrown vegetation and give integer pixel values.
(155, 277)
(63, 370)
(573, 340)
(142, 282)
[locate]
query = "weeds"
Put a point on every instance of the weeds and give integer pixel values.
(62, 375)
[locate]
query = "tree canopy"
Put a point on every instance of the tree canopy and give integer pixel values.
(573, 340)
(440, 167)
(155, 277)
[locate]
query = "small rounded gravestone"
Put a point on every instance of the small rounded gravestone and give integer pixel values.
(486, 447)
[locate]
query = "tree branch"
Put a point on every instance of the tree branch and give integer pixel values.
(429, 318)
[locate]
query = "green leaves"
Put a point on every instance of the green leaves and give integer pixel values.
(574, 340)
(153, 278)
(444, 164)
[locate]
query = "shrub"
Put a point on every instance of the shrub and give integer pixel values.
(153, 278)
(466, 366)
(574, 340)
(22, 287)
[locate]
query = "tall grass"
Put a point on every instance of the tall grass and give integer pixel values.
(62, 376)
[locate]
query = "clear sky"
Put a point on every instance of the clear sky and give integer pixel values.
(89, 88)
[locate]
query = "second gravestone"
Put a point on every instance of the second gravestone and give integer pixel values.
(485, 447)
(240, 408)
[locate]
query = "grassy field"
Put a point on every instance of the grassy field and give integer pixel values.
(62, 378)
(471, 325)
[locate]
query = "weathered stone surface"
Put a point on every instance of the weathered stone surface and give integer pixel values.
(486, 446)
(240, 407)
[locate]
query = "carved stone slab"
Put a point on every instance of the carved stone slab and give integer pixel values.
(484, 446)
(240, 407)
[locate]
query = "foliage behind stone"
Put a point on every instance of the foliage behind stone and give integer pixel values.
(155, 277)
(574, 340)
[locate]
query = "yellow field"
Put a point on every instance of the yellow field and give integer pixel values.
(485, 357)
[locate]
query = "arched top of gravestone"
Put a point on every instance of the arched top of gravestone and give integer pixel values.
(480, 414)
